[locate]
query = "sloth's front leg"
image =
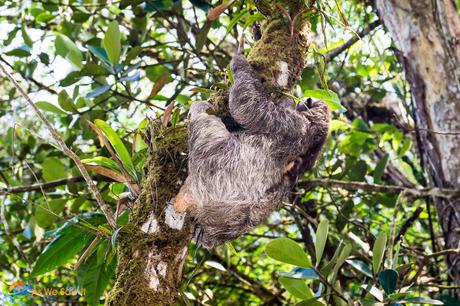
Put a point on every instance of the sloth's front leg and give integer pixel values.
(207, 135)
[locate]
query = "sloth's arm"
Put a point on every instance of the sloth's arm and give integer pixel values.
(207, 140)
(251, 107)
(206, 132)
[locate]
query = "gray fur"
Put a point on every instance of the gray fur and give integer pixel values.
(238, 179)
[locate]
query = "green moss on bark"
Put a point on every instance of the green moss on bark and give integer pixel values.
(278, 45)
(166, 170)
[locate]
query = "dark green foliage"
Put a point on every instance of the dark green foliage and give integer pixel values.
(115, 64)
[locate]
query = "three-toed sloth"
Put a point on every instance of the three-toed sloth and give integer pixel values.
(236, 179)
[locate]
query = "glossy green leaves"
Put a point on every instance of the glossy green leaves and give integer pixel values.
(112, 42)
(327, 96)
(288, 251)
(321, 238)
(117, 145)
(378, 251)
(66, 48)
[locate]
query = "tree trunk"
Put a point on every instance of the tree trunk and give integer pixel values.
(153, 246)
(427, 36)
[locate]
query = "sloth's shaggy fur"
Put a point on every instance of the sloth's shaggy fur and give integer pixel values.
(236, 179)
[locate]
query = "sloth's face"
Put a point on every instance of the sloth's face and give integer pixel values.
(308, 107)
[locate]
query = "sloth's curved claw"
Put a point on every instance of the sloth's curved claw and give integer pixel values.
(198, 107)
(240, 47)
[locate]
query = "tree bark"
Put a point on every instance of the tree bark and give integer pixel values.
(427, 36)
(153, 246)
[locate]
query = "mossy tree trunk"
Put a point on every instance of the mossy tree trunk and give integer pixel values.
(427, 36)
(153, 246)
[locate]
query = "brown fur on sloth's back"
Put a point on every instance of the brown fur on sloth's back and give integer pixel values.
(237, 179)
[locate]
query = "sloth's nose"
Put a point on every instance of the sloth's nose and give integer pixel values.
(303, 106)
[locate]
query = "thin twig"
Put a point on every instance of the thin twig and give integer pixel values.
(448, 133)
(443, 252)
(86, 253)
(41, 186)
(63, 147)
(393, 229)
(329, 56)
(409, 222)
(352, 185)
(6, 227)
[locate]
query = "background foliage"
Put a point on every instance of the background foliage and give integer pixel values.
(115, 63)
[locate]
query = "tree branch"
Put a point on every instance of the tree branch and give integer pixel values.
(37, 83)
(422, 192)
(41, 186)
(264, 293)
(409, 222)
(63, 147)
(329, 56)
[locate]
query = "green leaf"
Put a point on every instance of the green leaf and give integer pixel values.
(139, 143)
(117, 145)
(201, 4)
(231, 249)
(202, 35)
(378, 251)
(420, 300)
(343, 256)
(95, 277)
(287, 251)
(358, 171)
(215, 265)
(67, 49)
(327, 96)
(231, 77)
(296, 287)
(53, 169)
(44, 58)
(396, 255)
(94, 70)
(301, 273)
(102, 161)
(321, 238)
(132, 54)
(98, 91)
(380, 168)
(445, 298)
(45, 17)
(66, 102)
(10, 37)
(310, 302)
(26, 37)
(112, 42)
(407, 143)
(156, 72)
(60, 250)
(235, 19)
(22, 51)
(81, 102)
(330, 265)
(388, 280)
(48, 107)
(45, 215)
(100, 54)
(71, 78)
(360, 266)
